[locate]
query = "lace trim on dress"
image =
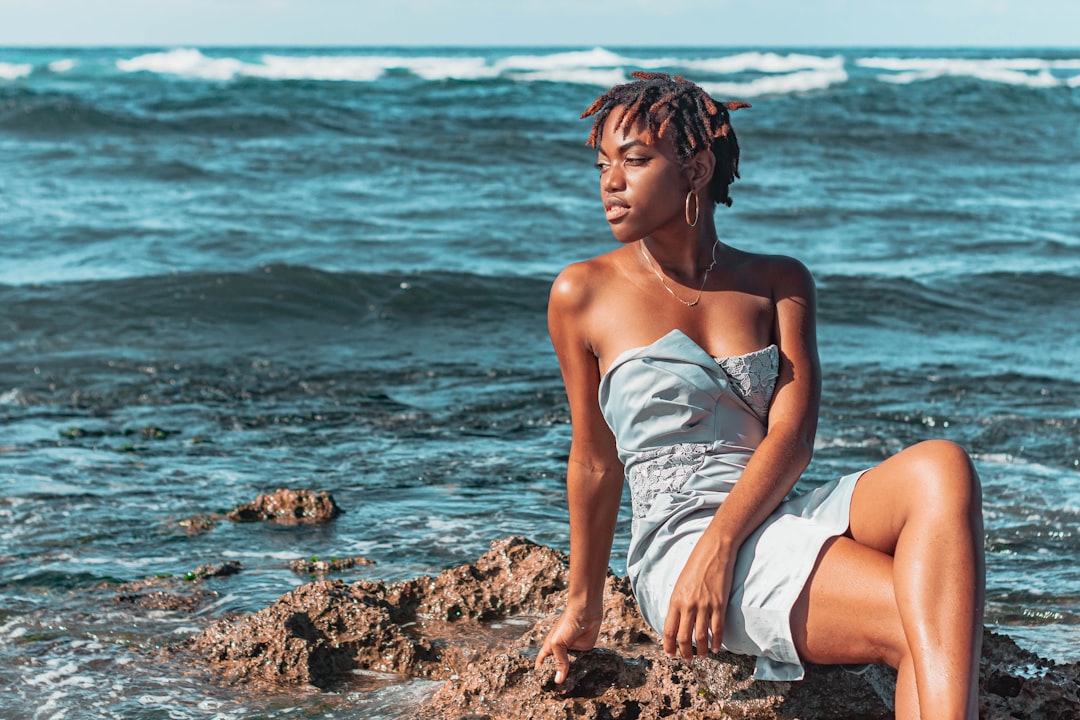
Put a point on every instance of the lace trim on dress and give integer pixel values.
(662, 470)
(753, 377)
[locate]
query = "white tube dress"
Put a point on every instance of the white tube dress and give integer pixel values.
(686, 424)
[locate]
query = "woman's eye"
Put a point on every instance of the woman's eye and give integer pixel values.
(636, 160)
(601, 166)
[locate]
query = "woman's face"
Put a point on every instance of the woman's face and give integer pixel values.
(642, 184)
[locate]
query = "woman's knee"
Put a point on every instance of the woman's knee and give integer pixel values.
(946, 475)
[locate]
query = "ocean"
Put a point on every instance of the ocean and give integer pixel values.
(225, 271)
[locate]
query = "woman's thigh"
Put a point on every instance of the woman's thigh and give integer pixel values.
(847, 611)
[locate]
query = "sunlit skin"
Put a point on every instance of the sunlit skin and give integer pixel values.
(904, 585)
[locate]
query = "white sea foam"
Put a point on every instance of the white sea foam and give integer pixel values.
(284, 67)
(793, 72)
(366, 68)
(1020, 64)
(13, 628)
(765, 62)
(1030, 72)
(595, 58)
(61, 66)
(50, 704)
(59, 668)
(797, 82)
(578, 76)
(590, 67)
(355, 68)
(186, 62)
(450, 68)
(12, 71)
(163, 700)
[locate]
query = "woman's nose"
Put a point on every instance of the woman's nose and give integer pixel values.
(613, 178)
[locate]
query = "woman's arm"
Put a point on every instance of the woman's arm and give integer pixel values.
(594, 475)
(699, 599)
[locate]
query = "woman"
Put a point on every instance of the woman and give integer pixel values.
(691, 366)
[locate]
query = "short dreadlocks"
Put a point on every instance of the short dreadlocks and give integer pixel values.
(671, 106)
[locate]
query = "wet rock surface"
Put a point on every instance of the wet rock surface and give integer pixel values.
(1017, 683)
(318, 632)
(185, 593)
(288, 507)
(474, 627)
(320, 568)
(283, 506)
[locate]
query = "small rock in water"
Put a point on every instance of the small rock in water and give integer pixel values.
(153, 432)
(288, 507)
(315, 566)
(199, 523)
(175, 592)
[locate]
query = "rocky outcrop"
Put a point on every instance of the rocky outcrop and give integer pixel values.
(319, 631)
(474, 627)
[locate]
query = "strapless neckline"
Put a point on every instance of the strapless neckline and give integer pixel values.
(676, 333)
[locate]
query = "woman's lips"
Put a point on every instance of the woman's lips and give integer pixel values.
(615, 210)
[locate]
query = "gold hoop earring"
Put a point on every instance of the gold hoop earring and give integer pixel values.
(697, 208)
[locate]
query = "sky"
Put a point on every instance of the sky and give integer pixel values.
(610, 23)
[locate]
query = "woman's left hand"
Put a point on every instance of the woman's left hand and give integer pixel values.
(699, 602)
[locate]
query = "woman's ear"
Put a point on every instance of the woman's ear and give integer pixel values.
(700, 170)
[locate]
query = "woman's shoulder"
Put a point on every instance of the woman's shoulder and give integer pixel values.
(782, 274)
(580, 282)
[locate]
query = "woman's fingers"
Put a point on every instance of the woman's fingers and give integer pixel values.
(542, 655)
(686, 635)
(671, 628)
(556, 650)
(701, 636)
(693, 631)
(562, 659)
(717, 631)
(562, 662)
(679, 633)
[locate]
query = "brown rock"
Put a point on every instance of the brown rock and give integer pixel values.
(174, 592)
(515, 577)
(443, 628)
(288, 507)
(313, 635)
(636, 680)
(321, 568)
(1016, 683)
(323, 629)
(199, 523)
(225, 569)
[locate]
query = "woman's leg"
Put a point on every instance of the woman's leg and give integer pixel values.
(847, 614)
(920, 511)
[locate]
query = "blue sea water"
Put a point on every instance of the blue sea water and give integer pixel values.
(328, 269)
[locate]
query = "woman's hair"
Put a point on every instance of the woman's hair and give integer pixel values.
(673, 107)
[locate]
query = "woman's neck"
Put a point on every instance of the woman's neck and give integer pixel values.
(684, 256)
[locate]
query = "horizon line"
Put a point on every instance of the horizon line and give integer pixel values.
(551, 46)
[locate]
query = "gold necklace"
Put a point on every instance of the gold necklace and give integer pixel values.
(652, 266)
